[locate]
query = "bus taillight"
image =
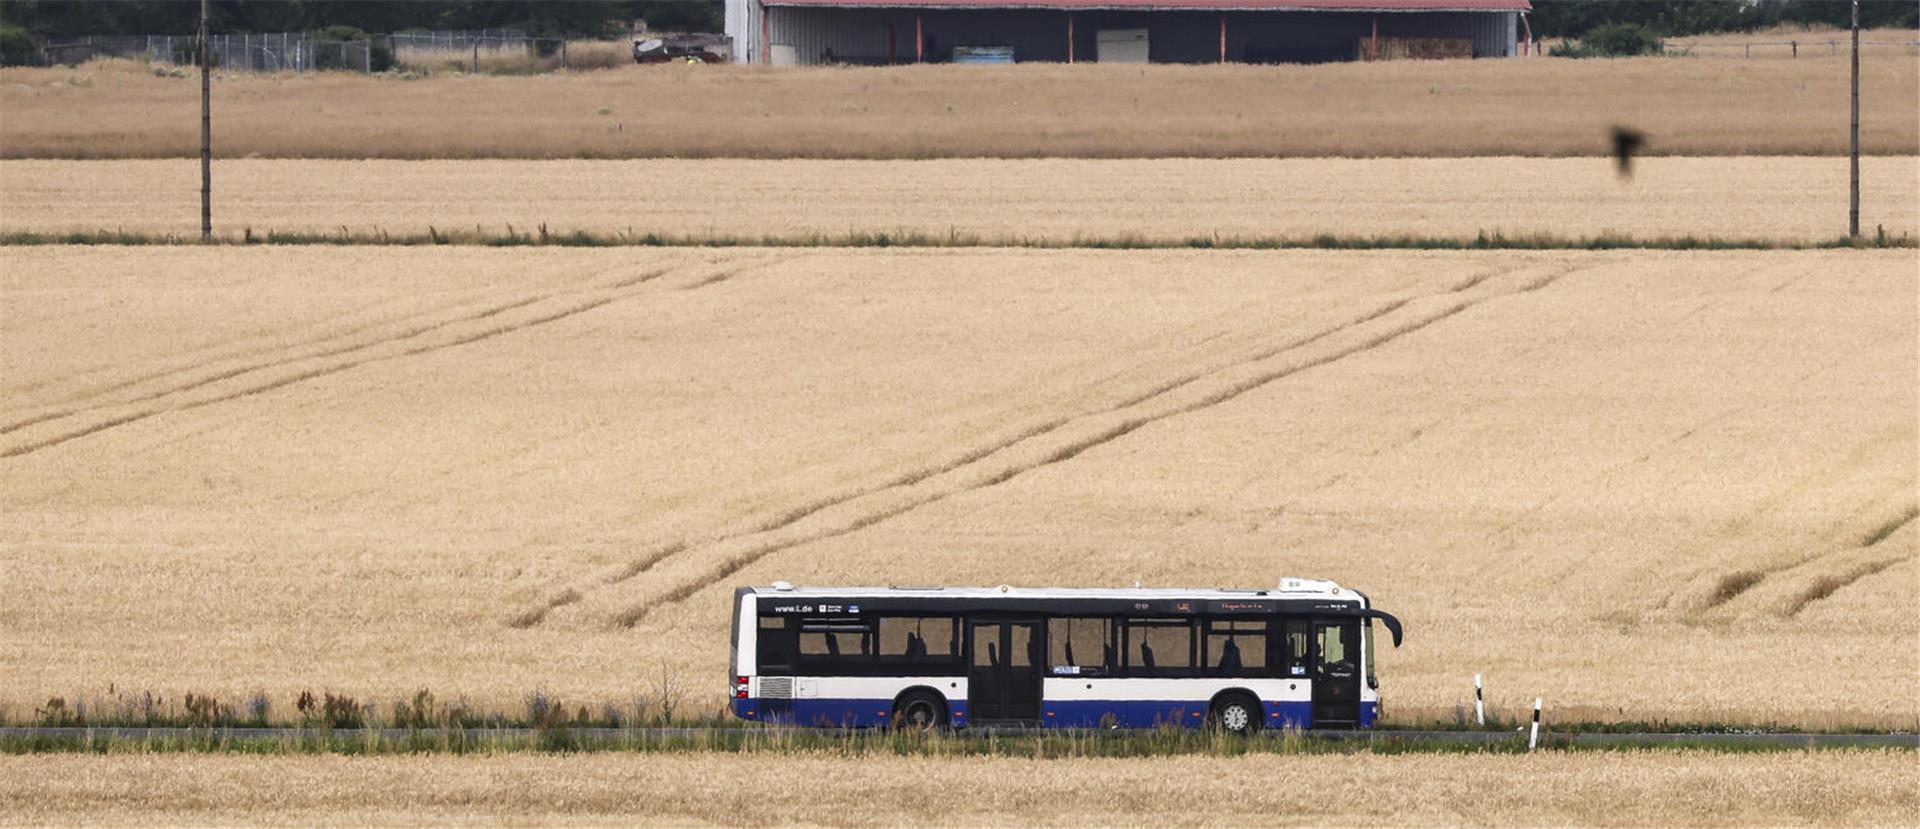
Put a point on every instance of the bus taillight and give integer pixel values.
(740, 687)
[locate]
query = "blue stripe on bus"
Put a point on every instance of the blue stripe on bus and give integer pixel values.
(860, 713)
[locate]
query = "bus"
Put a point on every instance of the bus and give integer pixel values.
(1299, 655)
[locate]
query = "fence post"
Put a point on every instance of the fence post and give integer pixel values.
(1749, 50)
(1853, 200)
(206, 127)
(563, 54)
(1533, 735)
(366, 57)
(476, 57)
(1796, 47)
(1479, 703)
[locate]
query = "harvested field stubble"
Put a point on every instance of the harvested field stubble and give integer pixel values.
(1050, 200)
(488, 471)
(1626, 789)
(1544, 107)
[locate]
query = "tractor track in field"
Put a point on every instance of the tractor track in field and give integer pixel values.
(70, 405)
(1037, 446)
(494, 320)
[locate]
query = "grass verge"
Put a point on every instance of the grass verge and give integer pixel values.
(540, 236)
(1065, 744)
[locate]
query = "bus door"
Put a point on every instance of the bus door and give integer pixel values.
(1336, 672)
(1003, 677)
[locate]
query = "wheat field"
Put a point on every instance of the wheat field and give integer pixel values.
(1639, 484)
(1777, 199)
(1543, 107)
(1614, 789)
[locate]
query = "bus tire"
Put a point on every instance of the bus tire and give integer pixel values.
(1236, 714)
(919, 711)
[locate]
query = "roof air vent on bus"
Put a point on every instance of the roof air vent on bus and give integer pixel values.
(783, 585)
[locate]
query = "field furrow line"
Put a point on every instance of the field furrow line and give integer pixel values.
(189, 359)
(702, 566)
(289, 354)
(1037, 428)
(1784, 590)
(188, 362)
(1751, 575)
(413, 342)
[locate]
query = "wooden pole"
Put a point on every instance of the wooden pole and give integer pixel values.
(1223, 37)
(1069, 37)
(1853, 200)
(1373, 44)
(206, 127)
(919, 40)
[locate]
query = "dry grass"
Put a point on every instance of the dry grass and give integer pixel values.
(237, 470)
(1544, 107)
(1628, 789)
(523, 59)
(1800, 199)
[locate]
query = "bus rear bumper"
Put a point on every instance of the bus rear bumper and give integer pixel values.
(832, 713)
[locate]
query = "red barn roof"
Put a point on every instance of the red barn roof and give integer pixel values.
(1185, 5)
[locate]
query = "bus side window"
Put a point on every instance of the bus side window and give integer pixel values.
(1296, 650)
(1078, 645)
(835, 640)
(917, 639)
(1236, 648)
(1159, 647)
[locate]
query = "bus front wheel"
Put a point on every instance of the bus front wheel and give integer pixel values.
(1236, 714)
(919, 711)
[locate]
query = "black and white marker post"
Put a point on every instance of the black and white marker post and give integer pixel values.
(1479, 704)
(1533, 734)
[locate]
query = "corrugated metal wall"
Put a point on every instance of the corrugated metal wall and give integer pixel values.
(877, 35)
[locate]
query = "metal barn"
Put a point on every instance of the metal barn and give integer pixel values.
(787, 32)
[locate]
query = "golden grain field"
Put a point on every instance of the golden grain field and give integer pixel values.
(1639, 484)
(1615, 789)
(1543, 107)
(1774, 198)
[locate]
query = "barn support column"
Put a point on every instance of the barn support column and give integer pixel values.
(766, 35)
(1069, 37)
(1223, 37)
(919, 40)
(1373, 42)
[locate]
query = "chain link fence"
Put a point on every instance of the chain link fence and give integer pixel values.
(268, 52)
(298, 52)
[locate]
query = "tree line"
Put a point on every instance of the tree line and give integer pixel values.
(1680, 18)
(42, 19)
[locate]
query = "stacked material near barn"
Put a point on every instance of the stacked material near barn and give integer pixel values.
(1412, 48)
(1175, 31)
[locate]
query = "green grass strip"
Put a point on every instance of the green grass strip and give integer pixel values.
(1043, 745)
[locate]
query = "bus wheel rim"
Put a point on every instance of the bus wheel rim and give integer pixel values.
(1235, 717)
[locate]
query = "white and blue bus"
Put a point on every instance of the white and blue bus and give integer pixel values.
(1299, 655)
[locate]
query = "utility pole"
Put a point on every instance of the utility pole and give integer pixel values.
(1853, 202)
(206, 128)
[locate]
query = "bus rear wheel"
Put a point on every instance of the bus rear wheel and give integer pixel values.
(1236, 714)
(919, 712)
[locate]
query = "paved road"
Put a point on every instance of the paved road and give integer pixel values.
(613, 734)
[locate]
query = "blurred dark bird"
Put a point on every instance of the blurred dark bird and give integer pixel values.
(1626, 142)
